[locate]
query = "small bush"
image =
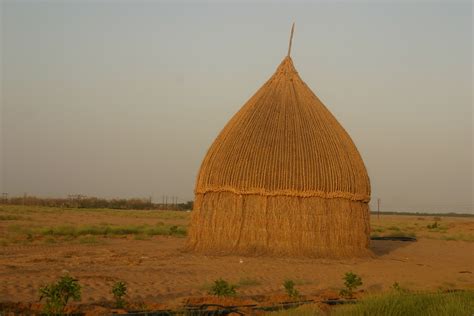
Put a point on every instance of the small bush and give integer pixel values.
(119, 290)
(58, 294)
(173, 230)
(222, 288)
(432, 226)
(397, 288)
(289, 286)
(352, 281)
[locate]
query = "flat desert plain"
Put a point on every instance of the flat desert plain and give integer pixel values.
(145, 250)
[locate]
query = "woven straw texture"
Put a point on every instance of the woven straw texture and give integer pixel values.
(284, 178)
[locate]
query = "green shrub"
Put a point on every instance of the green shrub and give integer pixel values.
(119, 290)
(352, 281)
(289, 286)
(432, 226)
(58, 294)
(222, 288)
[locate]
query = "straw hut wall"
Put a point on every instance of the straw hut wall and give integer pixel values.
(282, 178)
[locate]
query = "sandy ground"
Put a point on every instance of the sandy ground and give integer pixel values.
(157, 270)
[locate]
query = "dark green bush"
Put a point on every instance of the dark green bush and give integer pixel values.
(58, 294)
(222, 288)
(289, 286)
(119, 290)
(352, 281)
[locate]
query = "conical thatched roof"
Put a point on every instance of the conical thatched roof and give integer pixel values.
(283, 177)
(284, 141)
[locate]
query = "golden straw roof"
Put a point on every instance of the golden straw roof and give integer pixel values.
(284, 141)
(282, 178)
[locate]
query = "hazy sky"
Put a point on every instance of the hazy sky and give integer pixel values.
(123, 99)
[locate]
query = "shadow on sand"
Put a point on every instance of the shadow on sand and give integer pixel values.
(383, 247)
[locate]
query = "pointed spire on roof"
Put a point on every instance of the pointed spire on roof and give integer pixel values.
(291, 39)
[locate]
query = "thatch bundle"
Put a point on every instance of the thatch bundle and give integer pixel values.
(282, 178)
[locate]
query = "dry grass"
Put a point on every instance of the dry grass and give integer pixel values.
(443, 228)
(422, 304)
(85, 226)
(27, 225)
(287, 227)
(112, 246)
(11, 217)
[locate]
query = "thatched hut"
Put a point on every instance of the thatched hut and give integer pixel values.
(282, 178)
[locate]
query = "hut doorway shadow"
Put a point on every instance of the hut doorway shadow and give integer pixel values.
(383, 247)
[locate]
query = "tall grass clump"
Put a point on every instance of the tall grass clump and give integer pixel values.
(420, 304)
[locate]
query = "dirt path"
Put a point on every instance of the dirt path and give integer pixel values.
(157, 270)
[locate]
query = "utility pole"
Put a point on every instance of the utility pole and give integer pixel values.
(378, 208)
(4, 197)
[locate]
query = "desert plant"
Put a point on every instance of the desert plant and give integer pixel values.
(119, 290)
(222, 288)
(432, 226)
(397, 288)
(351, 281)
(173, 230)
(58, 294)
(289, 286)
